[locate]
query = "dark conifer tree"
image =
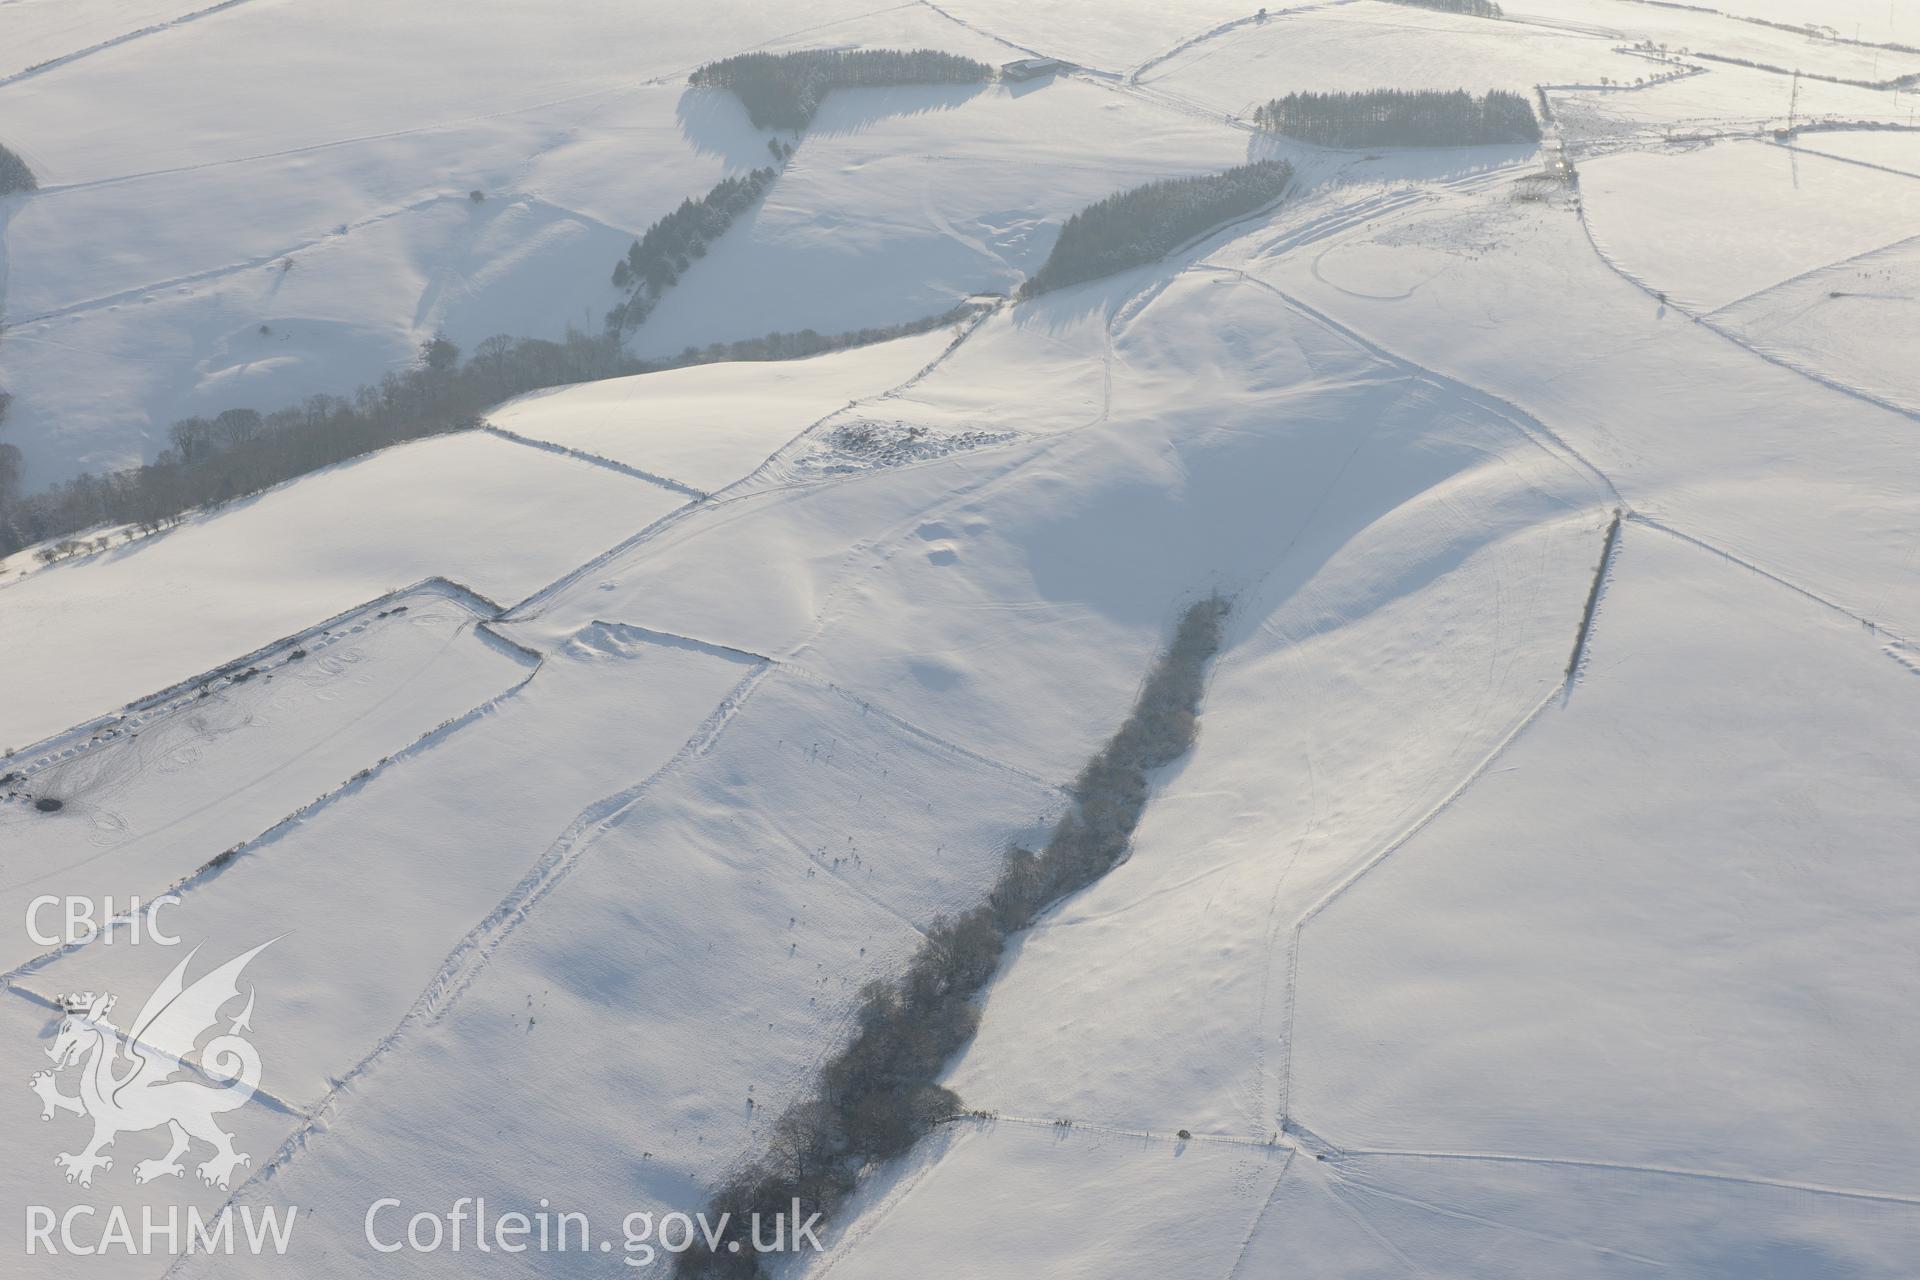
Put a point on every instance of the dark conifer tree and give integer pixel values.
(1141, 225)
(1401, 118)
(667, 248)
(783, 90)
(241, 451)
(14, 174)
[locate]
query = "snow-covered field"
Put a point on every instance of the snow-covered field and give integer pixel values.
(41, 32)
(1373, 42)
(430, 843)
(710, 425)
(335, 213)
(209, 284)
(149, 800)
(1851, 319)
(578, 769)
(1714, 29)
(1857, 19)
(1899, 152)
(492, 515)
(1715, 101)
(1589, 936)
(902, 202)
(1714, 225)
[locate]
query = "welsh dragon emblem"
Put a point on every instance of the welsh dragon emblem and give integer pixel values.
(128, 1085)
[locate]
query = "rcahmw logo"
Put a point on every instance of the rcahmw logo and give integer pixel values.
(128, 1084)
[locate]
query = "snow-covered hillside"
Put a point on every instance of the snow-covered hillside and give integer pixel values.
(1534, 901)
(304, 218)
